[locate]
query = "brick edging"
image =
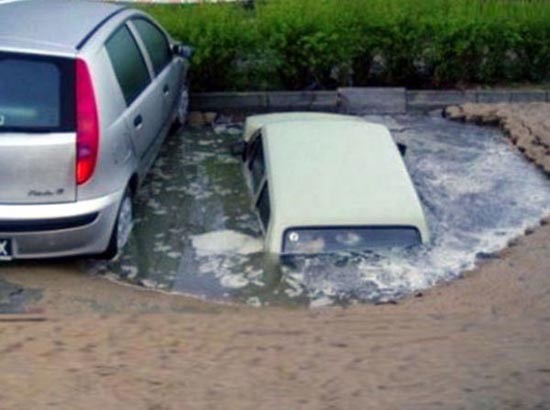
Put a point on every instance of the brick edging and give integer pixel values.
(390, 100)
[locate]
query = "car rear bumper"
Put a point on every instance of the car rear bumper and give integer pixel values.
(58, 230)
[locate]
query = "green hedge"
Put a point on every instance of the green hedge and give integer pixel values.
(323, 44)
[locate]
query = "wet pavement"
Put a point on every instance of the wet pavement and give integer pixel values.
(196, 234)
(13, 297)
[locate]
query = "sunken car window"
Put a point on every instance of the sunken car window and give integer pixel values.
(264, 209)
(128, 63)
(256, 163)
(334, 239)
(156, 43)
(36, 93)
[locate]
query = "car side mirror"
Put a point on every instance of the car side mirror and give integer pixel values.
(402, 149)
(238, 149)
(183, 51)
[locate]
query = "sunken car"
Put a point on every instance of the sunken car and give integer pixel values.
(325, 183)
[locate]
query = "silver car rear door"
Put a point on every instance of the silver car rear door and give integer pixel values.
(167, 67)
(139, 91)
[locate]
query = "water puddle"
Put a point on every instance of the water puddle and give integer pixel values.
(196, 234)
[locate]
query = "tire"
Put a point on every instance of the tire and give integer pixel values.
(123, 227)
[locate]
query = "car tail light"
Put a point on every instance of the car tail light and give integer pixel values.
(87, 137)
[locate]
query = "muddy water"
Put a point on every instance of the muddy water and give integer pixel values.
(196, 234)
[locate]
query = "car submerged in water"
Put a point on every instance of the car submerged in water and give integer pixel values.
(88, 92)
(324, 183)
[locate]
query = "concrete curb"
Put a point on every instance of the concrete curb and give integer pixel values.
(266, 101)
(222, 101)
(374, 100)
(432, 99)
(302, 100)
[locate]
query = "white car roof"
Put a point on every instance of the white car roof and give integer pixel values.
(335, 171)
(255, 122)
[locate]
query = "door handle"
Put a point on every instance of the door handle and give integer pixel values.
(138, 121)
(166, 90)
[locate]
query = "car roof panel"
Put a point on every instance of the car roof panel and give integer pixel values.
(338, 173)
(255, 122)
(51, 25)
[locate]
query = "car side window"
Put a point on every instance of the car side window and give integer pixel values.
(156, 43)
(263, 206)
(256, 163)
(128, 64)
(251, 147)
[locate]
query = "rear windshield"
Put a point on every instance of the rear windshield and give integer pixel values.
(36, 93)
(335, 239)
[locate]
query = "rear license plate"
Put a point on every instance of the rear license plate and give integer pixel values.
(6, 250)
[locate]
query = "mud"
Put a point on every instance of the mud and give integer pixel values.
(527, 125)
(15, 298)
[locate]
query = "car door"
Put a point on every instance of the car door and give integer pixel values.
(255, 164)
(168, 68)
(143, 114)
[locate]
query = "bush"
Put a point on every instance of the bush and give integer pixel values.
(220, 36)
(323, 44)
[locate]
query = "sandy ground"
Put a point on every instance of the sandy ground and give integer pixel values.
(527, 125)
(482, 342)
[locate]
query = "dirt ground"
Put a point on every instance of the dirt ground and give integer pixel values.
(482, 342)
(527, 125)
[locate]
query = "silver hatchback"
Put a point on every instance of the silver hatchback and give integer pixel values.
(88, 92)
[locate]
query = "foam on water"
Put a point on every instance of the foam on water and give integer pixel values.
(196, 233)
(225, 242)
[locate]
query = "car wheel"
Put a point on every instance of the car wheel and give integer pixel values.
(123, 226)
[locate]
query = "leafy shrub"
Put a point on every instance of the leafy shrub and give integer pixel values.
(311, 39)
(219, 36)
(323, 44)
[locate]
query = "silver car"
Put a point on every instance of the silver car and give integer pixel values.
(88, 92)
